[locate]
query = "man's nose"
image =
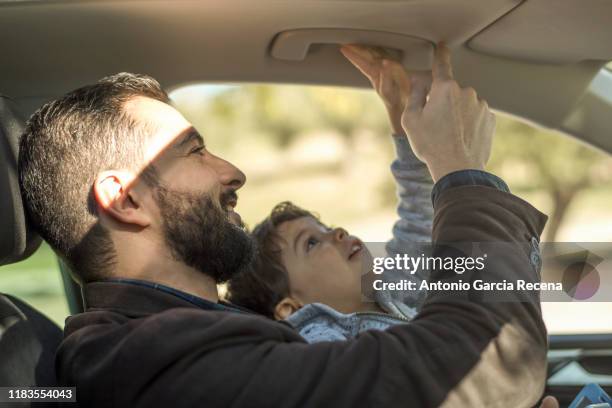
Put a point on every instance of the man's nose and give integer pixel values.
(229, 175)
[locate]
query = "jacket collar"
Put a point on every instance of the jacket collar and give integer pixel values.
(140, 298)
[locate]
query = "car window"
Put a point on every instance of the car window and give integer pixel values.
(37, 281)
(313, 146)
(570, 182)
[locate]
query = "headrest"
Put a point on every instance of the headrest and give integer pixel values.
(17, 240)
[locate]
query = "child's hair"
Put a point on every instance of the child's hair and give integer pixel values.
(266, 281)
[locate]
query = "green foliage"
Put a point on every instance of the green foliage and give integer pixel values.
(282, 113)
(346, 111)
(37, 281)
(551, 160)
(535, 159)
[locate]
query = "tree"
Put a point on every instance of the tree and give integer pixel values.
(348, 110)
(555, 163)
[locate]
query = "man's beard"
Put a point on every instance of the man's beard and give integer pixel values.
(199, 233)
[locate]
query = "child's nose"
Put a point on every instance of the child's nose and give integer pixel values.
(340, 234)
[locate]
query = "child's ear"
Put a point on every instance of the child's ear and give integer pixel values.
(286, 308)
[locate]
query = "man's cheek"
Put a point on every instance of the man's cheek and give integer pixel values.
(191, 178)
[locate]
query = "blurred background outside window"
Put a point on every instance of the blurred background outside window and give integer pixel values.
(329, 150)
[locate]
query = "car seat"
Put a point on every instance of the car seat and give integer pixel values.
(28, 339)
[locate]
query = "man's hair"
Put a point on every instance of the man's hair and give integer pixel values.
(66, 144)
(266, 282)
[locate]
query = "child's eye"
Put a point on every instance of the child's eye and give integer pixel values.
(198, 150)
(310, 243)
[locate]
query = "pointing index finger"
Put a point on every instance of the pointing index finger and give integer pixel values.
(360, 57)
(442, 69)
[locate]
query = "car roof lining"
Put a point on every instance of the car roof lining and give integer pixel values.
(58, 45)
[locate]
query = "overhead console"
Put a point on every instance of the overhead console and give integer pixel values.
(407, 29)
(295, 45)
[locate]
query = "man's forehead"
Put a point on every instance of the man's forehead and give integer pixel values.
(165, 123)
(154, 112)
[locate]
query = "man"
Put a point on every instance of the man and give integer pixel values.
(121, 186)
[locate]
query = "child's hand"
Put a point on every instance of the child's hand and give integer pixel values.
(387, 76)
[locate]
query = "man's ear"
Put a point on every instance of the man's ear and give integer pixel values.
(114, 196)
(286, 308)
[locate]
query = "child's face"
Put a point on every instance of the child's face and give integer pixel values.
(324, 265)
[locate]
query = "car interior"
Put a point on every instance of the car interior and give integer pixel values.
(543, 61)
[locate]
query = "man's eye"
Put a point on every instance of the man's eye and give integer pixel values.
(311, 242)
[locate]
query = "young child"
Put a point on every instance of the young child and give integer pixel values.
(311, 275)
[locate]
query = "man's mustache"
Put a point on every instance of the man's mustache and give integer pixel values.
(228, 197)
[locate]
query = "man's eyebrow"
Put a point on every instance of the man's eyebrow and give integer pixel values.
(297, 238)
(187, 137)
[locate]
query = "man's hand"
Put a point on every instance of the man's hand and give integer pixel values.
(451, 128)
(387, 77)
